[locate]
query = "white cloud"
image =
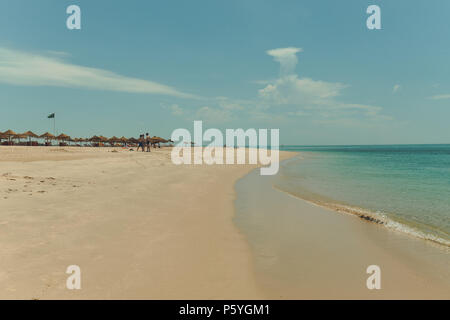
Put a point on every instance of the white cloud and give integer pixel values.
(20, 68)
(287, 57)
(396, 88)
(292, 90)
(440, 97)
(315, 96)
(290, 97)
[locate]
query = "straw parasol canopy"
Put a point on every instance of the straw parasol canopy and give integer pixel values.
(47, 136)
(103, 139)
(30, 134)
(63, 137)
(9, 134)
(113, 139)
(156, 139)
(94, 138)
(20, 136)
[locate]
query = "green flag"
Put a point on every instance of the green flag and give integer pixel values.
(51, 116)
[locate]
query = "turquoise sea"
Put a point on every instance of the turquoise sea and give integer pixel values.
(406, 187)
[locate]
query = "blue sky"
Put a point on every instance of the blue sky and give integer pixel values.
(310, 68)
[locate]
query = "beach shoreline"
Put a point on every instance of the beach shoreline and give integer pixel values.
(302, 250)
(141, 227)
(138, 226)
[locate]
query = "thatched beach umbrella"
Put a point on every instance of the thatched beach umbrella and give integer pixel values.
(158, 140)
(30, 134)
(9, 134)
(123, 140)
(79, 140)
(3, 136)
(47, 136)
(103, 139)
(20, 136)
(161, 140)
(63, 137)
(113, 140)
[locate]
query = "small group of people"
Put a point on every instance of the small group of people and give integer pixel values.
(144, 142)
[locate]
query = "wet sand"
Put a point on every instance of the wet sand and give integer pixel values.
(303, 251)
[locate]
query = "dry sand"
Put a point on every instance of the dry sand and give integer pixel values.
(138, 226)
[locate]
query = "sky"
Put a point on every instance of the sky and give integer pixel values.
(311, 69)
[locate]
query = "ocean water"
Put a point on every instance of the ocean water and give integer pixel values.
(404, 187)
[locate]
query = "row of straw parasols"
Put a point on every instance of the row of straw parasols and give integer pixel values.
(9, 135)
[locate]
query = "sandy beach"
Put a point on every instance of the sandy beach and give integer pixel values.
(138, 226)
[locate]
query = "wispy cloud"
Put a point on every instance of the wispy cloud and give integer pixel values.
(21, 68)
(395, 88)
(213, 115)
(440, 97)
(175, 109)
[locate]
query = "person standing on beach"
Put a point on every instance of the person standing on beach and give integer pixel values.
(141, 143)
(148, 142)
